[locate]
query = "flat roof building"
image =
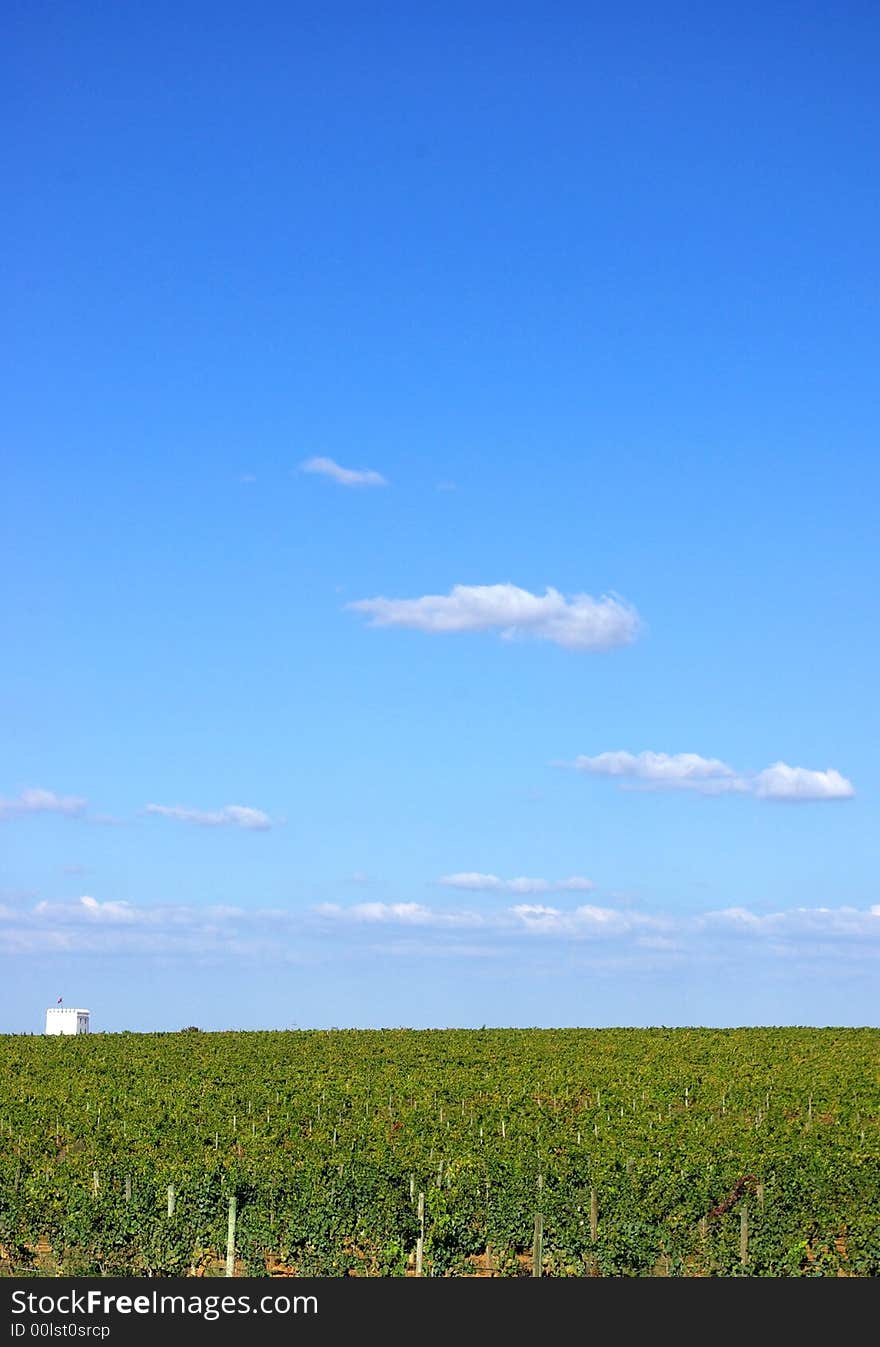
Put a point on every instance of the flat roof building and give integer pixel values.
(66, 1020)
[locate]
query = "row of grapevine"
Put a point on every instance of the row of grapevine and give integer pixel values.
(641, 1152)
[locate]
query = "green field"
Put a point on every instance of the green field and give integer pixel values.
(564, 1152)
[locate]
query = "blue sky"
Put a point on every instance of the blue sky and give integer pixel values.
(557, 332)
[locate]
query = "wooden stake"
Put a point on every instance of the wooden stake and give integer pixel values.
(230, 1239)
(171, 1199)
(538, 1245)
(744, 1234)
(594, 1230)
(420, 1242)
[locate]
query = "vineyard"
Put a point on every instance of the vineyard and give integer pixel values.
(569, 1152)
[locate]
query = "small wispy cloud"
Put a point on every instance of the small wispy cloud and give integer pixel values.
(523, 917)
(111, 928)
(407, 913)
(711, 776)
(577, 623)
(794, 923)
(474, 882)
(106, 911)
(230, 816)
(34, 800)
(326, 467)
(663, 771)
(587, 920)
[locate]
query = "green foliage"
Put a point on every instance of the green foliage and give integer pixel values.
(326, 1138)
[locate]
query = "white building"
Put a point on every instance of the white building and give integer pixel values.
(66, 1020)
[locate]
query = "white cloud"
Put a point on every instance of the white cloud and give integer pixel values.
(402, 912)
(34, 800)
(781, 782)
(474, 882)
(111, 928)
(711, 776)
(344, 476)
(795, 921)
(578, 623)
(410, 948)
(231, 815)
(584, 922)
(407, 914)
(806, 938)
(108, 911)
(664, 771)
(536, 916)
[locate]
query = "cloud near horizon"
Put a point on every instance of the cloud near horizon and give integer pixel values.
(577, 623)
(326, 467)
(89, 926)
(474, 882)
(710, 776)
(231, 815)
(521, 917)
(34, 800)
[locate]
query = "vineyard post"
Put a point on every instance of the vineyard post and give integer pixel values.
(420, 1242)
(230, 1239)
(744, 1234)
(538, 1245)
(95, 1182)
(594, 1230)
(170, 1199)
(538, 1238)
(128, 1187)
